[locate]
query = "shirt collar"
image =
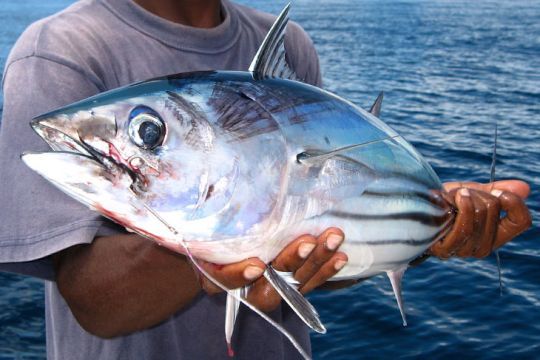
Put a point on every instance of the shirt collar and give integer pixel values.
(208, 41)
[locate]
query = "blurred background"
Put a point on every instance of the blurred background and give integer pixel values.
(450, 70)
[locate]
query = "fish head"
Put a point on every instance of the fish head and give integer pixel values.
(123, 153)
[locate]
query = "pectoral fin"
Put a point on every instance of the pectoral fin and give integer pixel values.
(296, 301)
(316, 157)
(395, 277)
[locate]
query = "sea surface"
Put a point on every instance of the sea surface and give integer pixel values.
(449, 70)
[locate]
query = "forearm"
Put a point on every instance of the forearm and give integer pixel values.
(124, 283)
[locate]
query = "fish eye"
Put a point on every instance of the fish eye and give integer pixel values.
(146, 128)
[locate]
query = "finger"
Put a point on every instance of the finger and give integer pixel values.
(328, 243)
(488, 230)
(518, 187)
(292, 258)
(263, 296)
(456, 185)
(461, 230)
(327, 270)
(517, 219)
(470, 247)
(232, 275)
(295, 254)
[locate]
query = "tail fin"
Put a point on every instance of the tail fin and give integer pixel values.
(492, 179)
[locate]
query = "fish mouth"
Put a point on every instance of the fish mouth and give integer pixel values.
(70, 139)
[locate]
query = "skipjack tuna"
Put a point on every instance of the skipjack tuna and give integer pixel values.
(223, 166)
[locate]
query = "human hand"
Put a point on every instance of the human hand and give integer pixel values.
(478, 228)
(312, 260)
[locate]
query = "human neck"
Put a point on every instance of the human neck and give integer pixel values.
(196, 13)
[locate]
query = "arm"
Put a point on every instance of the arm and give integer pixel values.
(125, 283)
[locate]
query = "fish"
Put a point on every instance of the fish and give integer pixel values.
(227, 165)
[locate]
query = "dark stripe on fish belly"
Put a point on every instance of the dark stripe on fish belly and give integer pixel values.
(422, 195)
(422, 218)
(410, 242)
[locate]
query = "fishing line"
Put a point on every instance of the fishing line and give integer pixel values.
(491, 180)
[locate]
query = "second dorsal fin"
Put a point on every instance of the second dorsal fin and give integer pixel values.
(269, 61)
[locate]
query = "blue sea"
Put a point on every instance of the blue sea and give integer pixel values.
(450, 70)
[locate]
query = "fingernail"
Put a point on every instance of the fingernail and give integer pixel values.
(333, 241)
(252, 272)
(464, 192)
(496, 192)
(305, 249)
(339, 264)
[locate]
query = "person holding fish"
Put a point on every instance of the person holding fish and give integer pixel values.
(113, 294)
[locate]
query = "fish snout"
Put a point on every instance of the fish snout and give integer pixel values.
(81, 124)
(92, 135)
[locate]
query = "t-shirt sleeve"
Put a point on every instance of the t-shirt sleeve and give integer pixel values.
(36, 219)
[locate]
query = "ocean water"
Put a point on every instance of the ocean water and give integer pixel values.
(450, 70)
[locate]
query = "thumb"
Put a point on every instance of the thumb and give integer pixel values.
(232, 276)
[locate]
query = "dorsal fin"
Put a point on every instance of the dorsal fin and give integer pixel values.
(269, 61)
(376, 107)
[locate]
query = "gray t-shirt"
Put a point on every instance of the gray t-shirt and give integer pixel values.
(93, 46)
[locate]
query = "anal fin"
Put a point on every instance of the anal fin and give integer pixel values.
(295, 300)
(231, 312)
(395, 277)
